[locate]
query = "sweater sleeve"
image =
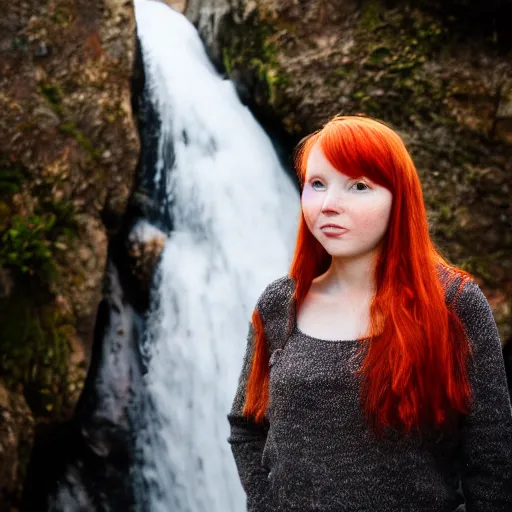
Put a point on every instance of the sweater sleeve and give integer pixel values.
(247, 440)
(486, 433)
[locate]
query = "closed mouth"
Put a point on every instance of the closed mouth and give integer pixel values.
(332, 226)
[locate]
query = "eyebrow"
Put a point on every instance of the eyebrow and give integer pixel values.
(321, 173)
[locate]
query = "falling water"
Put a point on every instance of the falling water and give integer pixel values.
(232, 213)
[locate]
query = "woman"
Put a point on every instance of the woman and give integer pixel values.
(373, 378)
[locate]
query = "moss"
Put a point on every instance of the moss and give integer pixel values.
(26, 248)
(371, 13)
(12, 176)
(334, 77)
(70, 129)
(30, 235)
(34, 349)
(254, 51)
(62, 16)
(377, 55)
(480, 266)
(227, 60)
(394, 48)
(53, 95)
(30, 243)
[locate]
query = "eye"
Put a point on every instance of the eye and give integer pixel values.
(360, 186)
(316, 181)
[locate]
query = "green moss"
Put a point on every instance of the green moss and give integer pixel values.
(445, 212)
(479, 266)
(227, 60)
(53, 95)
(394, 48)
(254, 51)
(377, 55)
(334, 77)
(371, 13)
(26, 248)
(62, 16)
(34, 349)
(86, 143)
(30, 243)
(12, 176)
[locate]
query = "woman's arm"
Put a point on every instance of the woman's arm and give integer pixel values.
(247, 441)
(486, 435)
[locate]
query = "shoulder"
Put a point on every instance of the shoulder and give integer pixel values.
(460, 289)
(275, 306)
(277, 293)
(473, 309)
(466, 299)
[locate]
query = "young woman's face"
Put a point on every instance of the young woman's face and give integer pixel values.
(360, 207)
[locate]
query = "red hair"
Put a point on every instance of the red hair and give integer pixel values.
(414, 371)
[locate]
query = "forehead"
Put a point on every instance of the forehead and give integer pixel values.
(317, 162)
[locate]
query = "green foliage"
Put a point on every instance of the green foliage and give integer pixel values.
(30, 241)
(34, 350)
(34, 338)
(26, 247)
(29, 244)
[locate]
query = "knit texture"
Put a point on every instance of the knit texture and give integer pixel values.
(314, 452)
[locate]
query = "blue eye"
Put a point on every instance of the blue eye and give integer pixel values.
(315, 181)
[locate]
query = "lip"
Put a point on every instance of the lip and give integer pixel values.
(330, 225)
(333, 230)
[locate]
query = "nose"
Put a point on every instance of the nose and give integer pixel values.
(334, 202)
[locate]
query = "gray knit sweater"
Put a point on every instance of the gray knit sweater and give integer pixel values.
(315, 453)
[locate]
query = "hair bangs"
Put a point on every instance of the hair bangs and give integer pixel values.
(358, 149)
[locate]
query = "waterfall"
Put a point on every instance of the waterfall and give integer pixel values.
(231, 214)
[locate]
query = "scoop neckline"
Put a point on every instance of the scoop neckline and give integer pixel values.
(305, 335)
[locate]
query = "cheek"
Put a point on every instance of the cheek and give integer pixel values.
(310, 205)
(375, 218)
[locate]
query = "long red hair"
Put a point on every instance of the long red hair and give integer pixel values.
(414, 370)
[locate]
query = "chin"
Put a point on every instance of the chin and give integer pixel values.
(341, 253)
(348, 252)
(344, 254)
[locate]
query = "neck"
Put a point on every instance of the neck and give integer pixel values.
(351, 275)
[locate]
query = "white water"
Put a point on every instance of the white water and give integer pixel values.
(235, 213)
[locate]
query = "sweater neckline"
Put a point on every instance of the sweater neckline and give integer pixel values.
(300, 333)
(321, 340)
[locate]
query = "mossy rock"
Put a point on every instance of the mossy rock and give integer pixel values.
(34, 348)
